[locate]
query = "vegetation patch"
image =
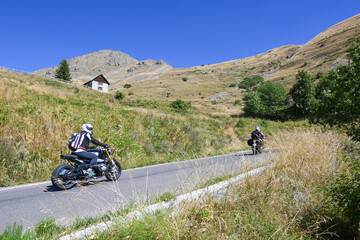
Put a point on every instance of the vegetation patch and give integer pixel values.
(250, 82)
(294, 189)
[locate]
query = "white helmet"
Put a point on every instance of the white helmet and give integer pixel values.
(257, 129)
(87, 128)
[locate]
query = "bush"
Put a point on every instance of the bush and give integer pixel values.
(240, 124)
(269, 100)
(337, 95)
(303, 95)
(341, 207)
(344, 193)
(119, 95)
(232, 85)
(185, 79)
(264, 123)
(180, 106)
(250, 82)
(237, 102)
(127, 85)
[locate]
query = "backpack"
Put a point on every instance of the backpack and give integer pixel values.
(75, 141)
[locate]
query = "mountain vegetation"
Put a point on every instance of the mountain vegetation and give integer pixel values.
(63, 72)
(39, 115)
(334, 100)
(338, 95)
(303, 95)
(250, 82)
(267, 101)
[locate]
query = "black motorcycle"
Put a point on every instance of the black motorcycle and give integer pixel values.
(66, 176)
(257, 146)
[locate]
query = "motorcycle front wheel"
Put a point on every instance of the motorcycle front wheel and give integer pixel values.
(254, 150)
(113, 172)
(58, 177)
(260, 149)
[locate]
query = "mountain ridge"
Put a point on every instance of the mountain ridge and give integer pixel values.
(324, 52)
(114, 65)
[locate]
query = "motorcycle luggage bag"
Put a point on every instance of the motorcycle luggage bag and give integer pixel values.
(250, 142)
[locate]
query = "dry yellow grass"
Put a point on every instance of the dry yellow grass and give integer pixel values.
(267, 206)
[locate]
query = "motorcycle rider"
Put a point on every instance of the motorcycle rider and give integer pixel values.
(85, 139)
(257, 134)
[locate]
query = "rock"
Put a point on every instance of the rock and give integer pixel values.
(217, 96)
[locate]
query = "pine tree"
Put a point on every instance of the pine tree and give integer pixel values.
(63, 71)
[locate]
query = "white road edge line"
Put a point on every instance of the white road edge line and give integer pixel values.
(194, 195)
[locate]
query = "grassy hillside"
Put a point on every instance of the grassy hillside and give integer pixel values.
(38, 116)
(323, 53)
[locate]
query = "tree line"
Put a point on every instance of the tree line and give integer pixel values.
(332, 99)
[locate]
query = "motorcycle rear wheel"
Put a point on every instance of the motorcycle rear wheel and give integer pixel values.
(58, 180)
(113, 173)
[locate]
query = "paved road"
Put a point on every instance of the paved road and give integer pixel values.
(28, 204)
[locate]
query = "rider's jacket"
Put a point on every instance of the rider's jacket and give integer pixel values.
(86, 140)
(255, 135)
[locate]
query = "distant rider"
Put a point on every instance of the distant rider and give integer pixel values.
(257, 134)
(86, 138)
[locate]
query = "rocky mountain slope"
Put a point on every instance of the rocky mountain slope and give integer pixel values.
(116, 66)
(208, 85)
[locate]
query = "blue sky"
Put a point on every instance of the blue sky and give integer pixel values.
(38, 34)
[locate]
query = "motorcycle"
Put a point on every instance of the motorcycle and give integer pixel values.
(66, 176)
(257, 146)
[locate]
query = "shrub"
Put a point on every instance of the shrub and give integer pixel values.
(344, 193)
(119, 95)
(269, 100)
(180, 106)
(131, 93)
(264, 123)
(250, 82)
(127, 85)
(338, 95)
(303, 95)
(185, 79)
(232, 85)
(240, 124)
(237, 102)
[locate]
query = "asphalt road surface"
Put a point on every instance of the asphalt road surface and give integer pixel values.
(28, 204)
